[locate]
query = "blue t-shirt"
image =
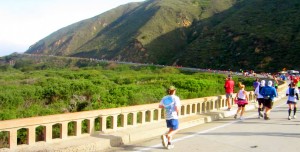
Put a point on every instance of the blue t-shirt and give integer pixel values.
(170, 103)
(269, 92)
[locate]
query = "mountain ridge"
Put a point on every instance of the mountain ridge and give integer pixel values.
(228, 34)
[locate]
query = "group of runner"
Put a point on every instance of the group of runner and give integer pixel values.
(265, 93)
(265, 101)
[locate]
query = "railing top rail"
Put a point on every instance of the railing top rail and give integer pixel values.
(53, 119)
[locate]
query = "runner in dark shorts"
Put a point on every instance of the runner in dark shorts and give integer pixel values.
(268, 103)
(260, 99)
(269, 93)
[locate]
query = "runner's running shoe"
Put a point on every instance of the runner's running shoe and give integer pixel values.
(164, 140)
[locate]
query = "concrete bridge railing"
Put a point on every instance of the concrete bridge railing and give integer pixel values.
(72, 125)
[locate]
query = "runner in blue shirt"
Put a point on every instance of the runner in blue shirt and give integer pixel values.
(171, 104)
(269, 93)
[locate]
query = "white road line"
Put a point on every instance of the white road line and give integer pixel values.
(201, 132)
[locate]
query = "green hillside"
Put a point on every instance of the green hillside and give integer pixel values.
(255, 34)
(68, 40)
(262, 35)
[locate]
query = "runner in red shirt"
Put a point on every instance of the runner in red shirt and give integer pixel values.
(296, 80)
(229, 86)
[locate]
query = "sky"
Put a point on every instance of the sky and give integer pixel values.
(25, 22)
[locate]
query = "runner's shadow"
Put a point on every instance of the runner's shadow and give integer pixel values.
(256, 134)
(139, 148)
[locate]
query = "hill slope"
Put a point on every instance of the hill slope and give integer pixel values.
(256, 34)
(227, 34)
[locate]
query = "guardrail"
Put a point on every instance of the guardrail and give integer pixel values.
(72, 125)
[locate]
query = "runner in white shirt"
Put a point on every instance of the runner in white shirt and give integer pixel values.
(260, 98)
(171, 104)
(293, 96)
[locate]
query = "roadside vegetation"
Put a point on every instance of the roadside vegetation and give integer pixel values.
(37, 86)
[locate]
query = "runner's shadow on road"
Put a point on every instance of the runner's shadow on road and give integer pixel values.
(269, 122)
(272, 134)
(255, 120)
(139, 148)
(283, 121)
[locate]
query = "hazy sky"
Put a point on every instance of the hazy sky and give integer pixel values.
(24, 22)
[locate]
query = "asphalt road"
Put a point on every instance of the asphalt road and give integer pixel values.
(233, 135)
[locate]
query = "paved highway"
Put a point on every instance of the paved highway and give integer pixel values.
(229, 135)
